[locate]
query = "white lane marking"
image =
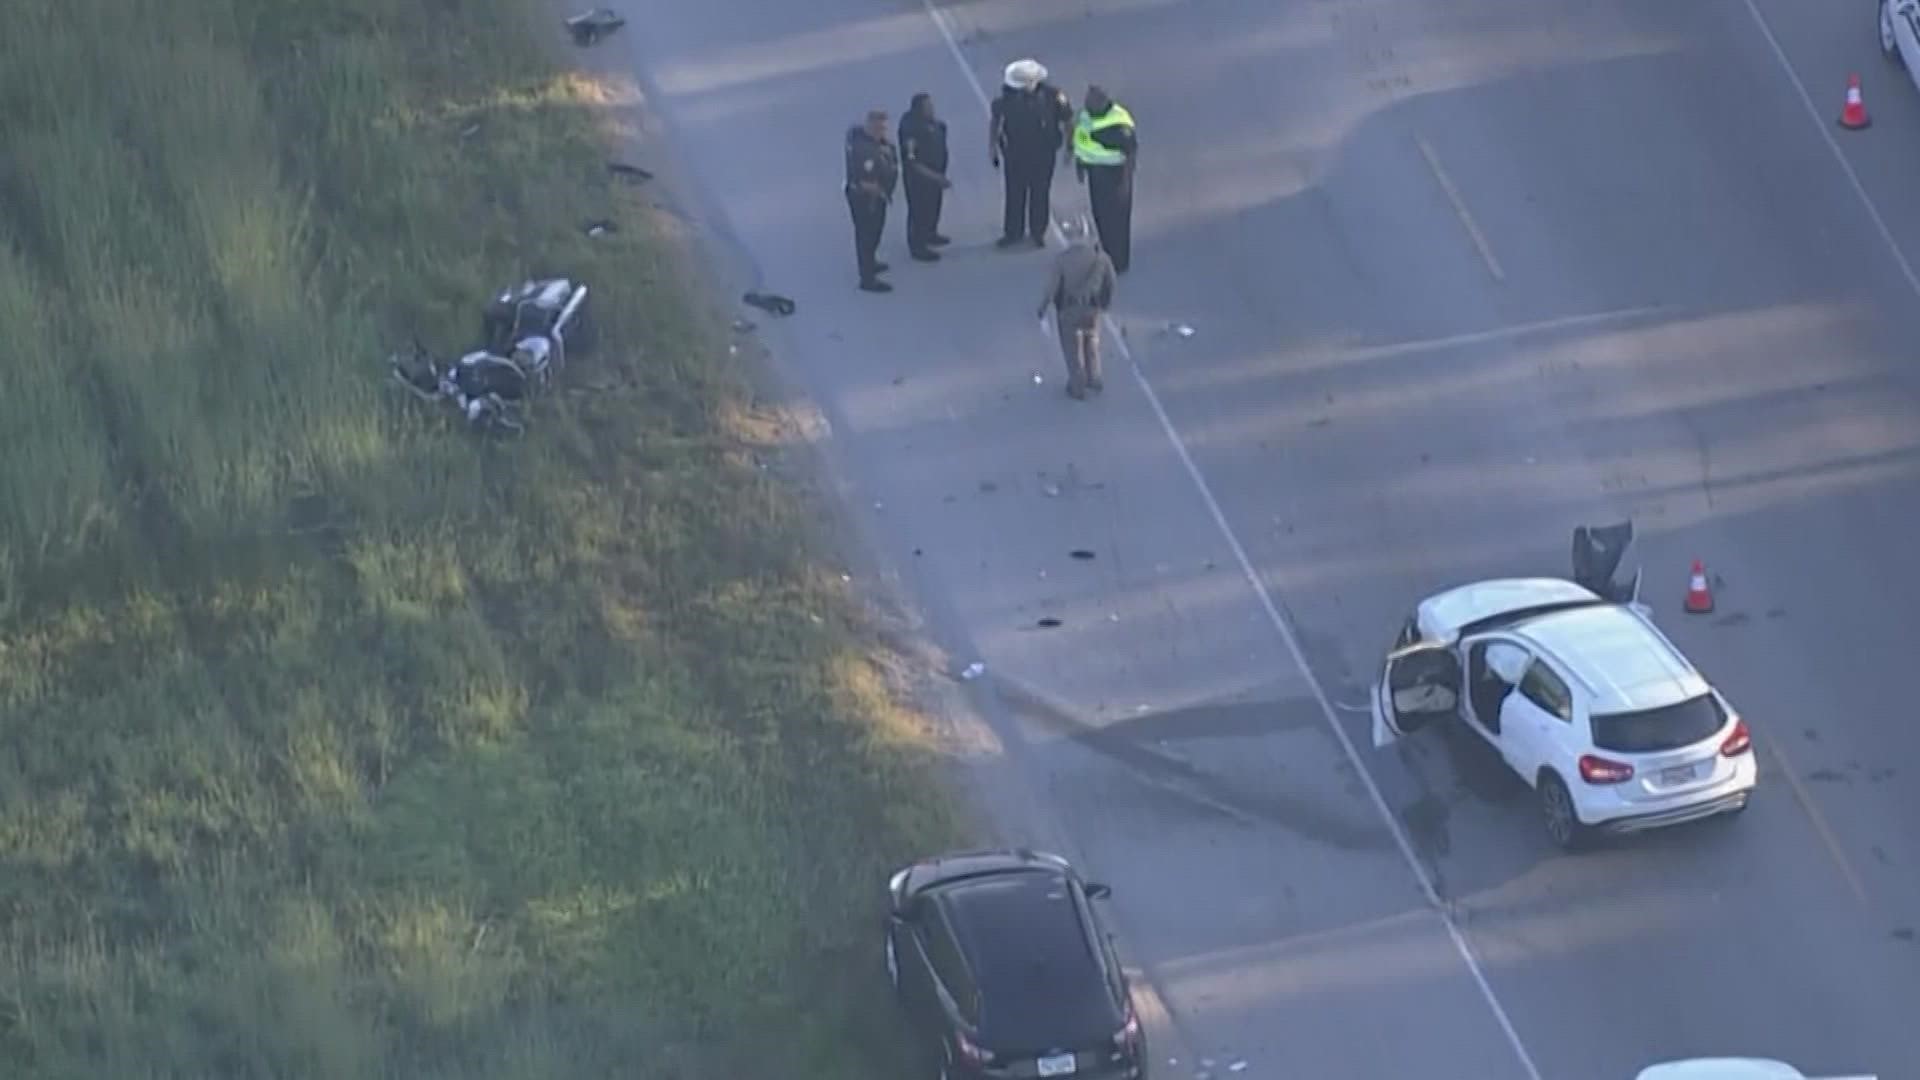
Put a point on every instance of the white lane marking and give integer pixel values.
(1460, 210)
(1820, 826)
(1913, 282)
(1820, 125)
(1280, 624)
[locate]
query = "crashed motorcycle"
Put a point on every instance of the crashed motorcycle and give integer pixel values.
(527, 334)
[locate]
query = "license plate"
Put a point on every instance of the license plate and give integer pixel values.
(1677, 774)
(1057, 1065)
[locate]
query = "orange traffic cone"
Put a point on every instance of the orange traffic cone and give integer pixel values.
(1854, 116)
(1699, 596)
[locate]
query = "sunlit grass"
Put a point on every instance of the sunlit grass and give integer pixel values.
(336, 745)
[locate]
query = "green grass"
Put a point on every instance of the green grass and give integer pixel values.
(332, 745)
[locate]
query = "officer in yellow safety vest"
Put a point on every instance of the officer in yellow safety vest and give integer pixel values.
(1104, 151)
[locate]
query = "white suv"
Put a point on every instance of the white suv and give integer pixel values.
(1581, 695)
(1731, 1069)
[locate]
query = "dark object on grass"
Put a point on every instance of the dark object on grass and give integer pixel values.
(591, 27)
(526, 333)
(490, 392)
(772, 302)
(633, 173)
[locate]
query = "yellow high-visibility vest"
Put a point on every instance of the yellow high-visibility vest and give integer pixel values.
(1086, 149)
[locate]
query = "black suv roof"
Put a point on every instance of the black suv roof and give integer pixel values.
(1042, 980)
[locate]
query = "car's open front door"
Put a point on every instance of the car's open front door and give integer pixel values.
(1420, 684)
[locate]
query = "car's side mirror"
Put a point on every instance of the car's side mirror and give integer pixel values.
(1098, 891)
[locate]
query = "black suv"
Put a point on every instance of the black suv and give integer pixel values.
(1006, 971)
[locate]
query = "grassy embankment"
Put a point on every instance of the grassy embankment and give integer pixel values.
(331, 746)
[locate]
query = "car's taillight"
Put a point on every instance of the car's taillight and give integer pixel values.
(978, 1055)
(1598, 770)
(1129, 1032)
(1738, 741)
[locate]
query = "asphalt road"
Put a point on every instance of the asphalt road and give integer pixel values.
(1462, 277)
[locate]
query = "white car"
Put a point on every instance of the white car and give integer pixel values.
(1900, 32)
(1578, 692)
(1731, 1069)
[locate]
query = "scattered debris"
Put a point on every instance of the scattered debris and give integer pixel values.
(877, 505)
(973, 671)
(1904, 933)
(631, 173)
(1178, 329)
(916, 553)
(1081, 553)
(899, 380)
(770, 302)
(470, 130)
(988, 487)
(1051, 491)
(599, 228)
(1048, 623)
(1238, 1066)
(1038, 380)
(1113, 616)
(589, 28)
(744, 326)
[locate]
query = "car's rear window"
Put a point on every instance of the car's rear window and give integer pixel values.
(1649, 731)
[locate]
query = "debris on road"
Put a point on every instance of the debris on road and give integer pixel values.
(1048, 623)
(470, 130)
(631, 173)
(589, 28)
(1177, 329)
(744, 326)
(1051, 491)
(1081, 553)
(1238, 1066)
(770, 302)
(973, 671)
(1037, 379)
(599, 228)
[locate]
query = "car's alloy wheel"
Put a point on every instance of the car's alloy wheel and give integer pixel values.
(1889, 44)
(1556, 808)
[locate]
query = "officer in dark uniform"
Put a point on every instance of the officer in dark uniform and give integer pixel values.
(873, 169)
(1031, 122)
(923, 159)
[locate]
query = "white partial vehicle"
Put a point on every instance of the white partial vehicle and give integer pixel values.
(1578, 692)
(1730, 1068)
(1900, 33)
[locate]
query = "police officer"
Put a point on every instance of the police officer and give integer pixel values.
(1030, 124)
(1080, 290)
(873, 168)
(1104, 151)
(923, 158)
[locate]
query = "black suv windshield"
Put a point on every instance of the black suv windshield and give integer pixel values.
(1649, 731)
